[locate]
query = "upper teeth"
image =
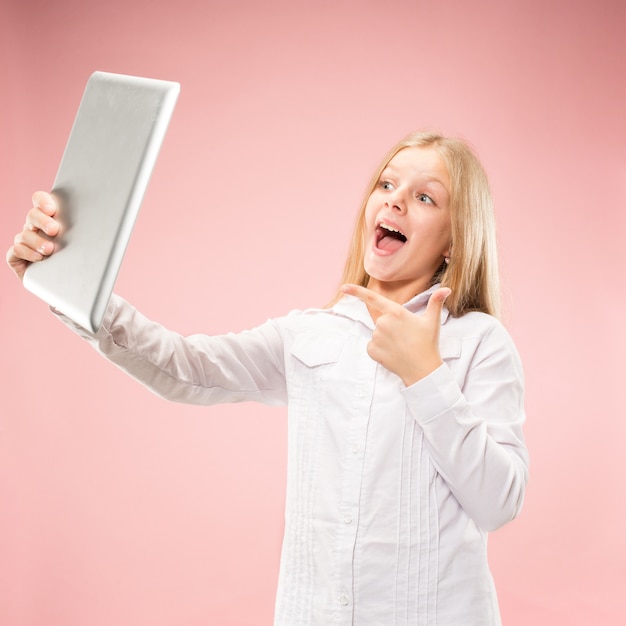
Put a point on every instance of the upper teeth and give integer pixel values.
(390, 228)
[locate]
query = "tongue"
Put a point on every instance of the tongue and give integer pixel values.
(390, 244)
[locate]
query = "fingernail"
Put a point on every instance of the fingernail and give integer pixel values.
(42, 249)
(48, 227)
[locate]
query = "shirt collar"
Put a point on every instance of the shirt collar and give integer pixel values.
(354, 308)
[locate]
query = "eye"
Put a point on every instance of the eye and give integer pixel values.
(385, 185)
(422, 197)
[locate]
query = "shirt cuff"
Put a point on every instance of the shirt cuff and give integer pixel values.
(433, 395)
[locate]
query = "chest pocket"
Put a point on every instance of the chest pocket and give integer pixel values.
(315, 350)
(314, 375)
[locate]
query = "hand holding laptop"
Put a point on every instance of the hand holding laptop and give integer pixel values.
(30, 245)
(103, 174)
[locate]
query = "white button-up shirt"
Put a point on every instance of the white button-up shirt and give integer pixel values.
(391, 490)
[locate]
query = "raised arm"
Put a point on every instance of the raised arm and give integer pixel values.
(199, 369)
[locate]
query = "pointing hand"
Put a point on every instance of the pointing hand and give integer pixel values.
(402, 342)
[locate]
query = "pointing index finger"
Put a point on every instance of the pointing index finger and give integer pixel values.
(371, 298)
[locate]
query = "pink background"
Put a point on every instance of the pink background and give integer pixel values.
(119, 508)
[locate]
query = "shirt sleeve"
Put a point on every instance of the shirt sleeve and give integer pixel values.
(198, 369)
(474, 433)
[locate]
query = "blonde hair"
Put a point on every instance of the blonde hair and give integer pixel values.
(472, 272)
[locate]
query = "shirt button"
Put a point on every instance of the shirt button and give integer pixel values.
(344, 600)
(356, 448)
(347, 518)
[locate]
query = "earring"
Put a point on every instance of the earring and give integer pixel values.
(446, 259)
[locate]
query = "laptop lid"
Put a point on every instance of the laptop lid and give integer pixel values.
(101, 180)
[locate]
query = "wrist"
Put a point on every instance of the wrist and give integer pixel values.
(417, 374)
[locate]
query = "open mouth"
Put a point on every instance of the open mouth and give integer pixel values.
(389, 238)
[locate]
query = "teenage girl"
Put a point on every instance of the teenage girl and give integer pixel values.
(405, 398)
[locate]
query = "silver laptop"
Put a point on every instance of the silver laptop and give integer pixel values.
(104, 172)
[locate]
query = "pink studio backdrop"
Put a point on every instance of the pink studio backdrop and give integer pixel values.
(119, 508)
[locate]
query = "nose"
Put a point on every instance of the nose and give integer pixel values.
(396, 201)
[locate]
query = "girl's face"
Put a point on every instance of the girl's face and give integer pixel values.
(407, 224)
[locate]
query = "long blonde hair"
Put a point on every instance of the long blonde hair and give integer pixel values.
(472, 272)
